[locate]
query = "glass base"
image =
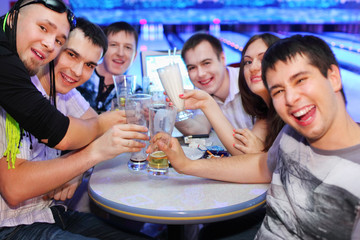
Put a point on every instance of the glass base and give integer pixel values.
(183, 115)
(137, 165)
(157, 171)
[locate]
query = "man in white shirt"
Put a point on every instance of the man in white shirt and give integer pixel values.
(205, 61)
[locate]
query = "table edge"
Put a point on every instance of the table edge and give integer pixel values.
(204, 218)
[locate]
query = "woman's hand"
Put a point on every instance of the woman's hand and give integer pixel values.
(175, 154)
(195, 99)
(249, 142)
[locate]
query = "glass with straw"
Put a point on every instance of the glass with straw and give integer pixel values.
(172, 82)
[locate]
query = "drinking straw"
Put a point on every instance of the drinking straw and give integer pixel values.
(174, 55)
(170, 59)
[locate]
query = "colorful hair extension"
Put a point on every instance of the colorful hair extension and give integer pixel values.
(13, 140)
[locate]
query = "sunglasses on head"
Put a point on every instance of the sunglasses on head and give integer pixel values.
(56, 6)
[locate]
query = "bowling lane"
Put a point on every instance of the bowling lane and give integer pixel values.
(347, 59)
(344, 36)
(352, 92)
(346, 40)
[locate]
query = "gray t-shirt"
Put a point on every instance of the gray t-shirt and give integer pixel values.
(314, 194)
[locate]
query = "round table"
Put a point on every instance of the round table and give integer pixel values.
(174, 199)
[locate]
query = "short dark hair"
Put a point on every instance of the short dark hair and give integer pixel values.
(315, 49)
(93, 32)
(122, 26)
(198, 38)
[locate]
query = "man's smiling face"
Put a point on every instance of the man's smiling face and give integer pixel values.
(121, 52)
(206, 70)
(41, 33)
(76, 62)
(303, 97)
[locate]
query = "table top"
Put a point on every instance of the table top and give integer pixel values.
(174, 199)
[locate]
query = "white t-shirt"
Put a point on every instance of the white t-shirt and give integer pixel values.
(232, 107)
